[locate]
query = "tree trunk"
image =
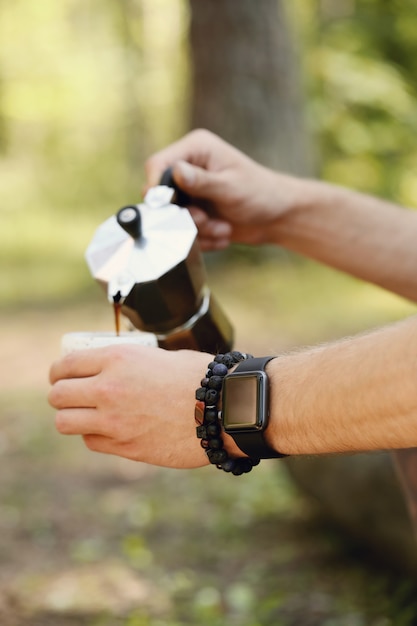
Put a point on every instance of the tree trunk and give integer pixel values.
(244, 81)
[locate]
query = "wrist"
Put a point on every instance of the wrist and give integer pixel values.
(207, 416)
(246, 407)
(232, 412)
(285, 197)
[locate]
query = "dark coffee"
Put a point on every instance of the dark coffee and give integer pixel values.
(117, 307)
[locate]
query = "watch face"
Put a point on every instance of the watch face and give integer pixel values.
(244, 401)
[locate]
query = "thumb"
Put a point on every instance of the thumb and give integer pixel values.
(194, 180)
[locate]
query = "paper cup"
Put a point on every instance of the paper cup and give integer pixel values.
(90, 340)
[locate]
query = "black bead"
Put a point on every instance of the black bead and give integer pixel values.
(200, 394)
(201, 432)
(219, 358)
(228, 361)
(211, 365)
(217, 456)
(228, 465)
(211, 397)
(239, 356)
(204, 443)
(237, 470)
(210, 415)
(213, 430)
(220, 370)
(215, 443)
(204, 382)
(246, 465)
(215, 382)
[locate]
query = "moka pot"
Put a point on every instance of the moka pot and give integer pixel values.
(148, 260)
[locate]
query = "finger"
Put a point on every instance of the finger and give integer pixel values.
(108, 445)
(199, 216)
(130, 449)
(210, 226)
(78, 364)
(197, 182)
(218, 229)
(72, 393)
(194, 148)
(212, 245)
(78, 422)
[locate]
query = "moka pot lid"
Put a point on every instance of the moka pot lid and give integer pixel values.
(164, 238)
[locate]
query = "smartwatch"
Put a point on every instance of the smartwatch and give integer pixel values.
(245, 407)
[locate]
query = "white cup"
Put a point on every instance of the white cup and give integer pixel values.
(88, 340)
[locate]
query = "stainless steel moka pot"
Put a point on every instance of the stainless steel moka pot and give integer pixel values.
(148, 260)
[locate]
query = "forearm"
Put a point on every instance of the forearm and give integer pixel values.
(356, 394)
(361, 235)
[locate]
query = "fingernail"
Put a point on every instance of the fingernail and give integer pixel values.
(187, 173)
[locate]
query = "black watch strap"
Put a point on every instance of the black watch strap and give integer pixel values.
(253, 443)
(253, 363)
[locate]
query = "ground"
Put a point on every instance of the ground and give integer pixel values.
(95, 540)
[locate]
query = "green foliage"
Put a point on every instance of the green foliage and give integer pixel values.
(88, 90)
(359, 60)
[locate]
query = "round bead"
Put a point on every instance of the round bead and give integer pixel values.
(228, 465)
(215, 443)
(228, 361)
(211, 397)
(219, 358)
(204, 443)
(213, 429)
(204, 382)
(217, 456)
(237, 470)
(220, 370)
(200, 394)
(202, 431)
(215, 382)
(210, 415)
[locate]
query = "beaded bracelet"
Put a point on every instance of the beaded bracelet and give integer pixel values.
(207, 415)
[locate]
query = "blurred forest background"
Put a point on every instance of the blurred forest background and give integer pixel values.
(88, 90)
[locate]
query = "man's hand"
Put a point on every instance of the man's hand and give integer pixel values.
(133, 401)
(233, 198)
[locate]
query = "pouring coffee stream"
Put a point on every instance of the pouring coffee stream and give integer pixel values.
(148, 259)
(117, 309)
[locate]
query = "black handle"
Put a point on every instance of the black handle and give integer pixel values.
(180, 197)
(130, 220)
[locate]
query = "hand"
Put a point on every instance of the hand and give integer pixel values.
(233, 198)
(133, 401)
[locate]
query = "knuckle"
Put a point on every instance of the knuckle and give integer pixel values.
(201, 134)
(107, 391)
